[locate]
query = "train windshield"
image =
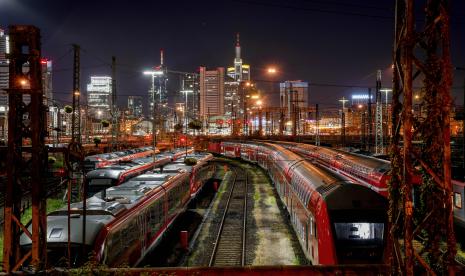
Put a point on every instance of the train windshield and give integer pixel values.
(359, 242)
(360, 232)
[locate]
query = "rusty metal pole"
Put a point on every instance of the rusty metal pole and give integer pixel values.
(26, 122)
(445, 108)
(407, 115)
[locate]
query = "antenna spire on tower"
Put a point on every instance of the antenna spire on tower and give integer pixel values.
(161, 56)
(237, 39)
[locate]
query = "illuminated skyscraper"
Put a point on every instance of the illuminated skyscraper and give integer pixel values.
(135, 106)
(211, 92)
(4, 79)
(159, 95)
(3, 69)
(190, 93)
(240, 72)
(47, 80)
(99, 96)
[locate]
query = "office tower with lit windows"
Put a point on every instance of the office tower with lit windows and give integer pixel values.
(4, 79)
(99, 97)
(211, 92)
(135, 106)
(232, 99)
(189, 94)
(158, 93)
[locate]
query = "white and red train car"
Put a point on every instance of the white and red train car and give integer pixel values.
(128, 222)
(369, 171)
(336, 221)
(93, 162)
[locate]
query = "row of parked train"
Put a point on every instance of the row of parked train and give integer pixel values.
(130, 205)
(369, 171)
(96, 161)
(337, 221)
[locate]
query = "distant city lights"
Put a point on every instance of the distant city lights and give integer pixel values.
(361, 97)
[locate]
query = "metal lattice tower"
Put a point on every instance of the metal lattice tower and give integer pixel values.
(379, 149)
(424, 52)
(317, 134)
(76, 115)
(26, 168)
(343, 121)
(369, 142)
(114, 107)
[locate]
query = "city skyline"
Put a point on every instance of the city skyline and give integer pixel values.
(322, 51)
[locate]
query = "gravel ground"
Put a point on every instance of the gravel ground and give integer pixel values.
(270, 240)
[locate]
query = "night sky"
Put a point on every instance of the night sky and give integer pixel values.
(336, 41)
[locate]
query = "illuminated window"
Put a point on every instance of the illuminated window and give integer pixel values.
(458, 200)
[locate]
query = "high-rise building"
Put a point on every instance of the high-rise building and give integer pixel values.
(99, 96)
(190, 93)
(211, 92)
(47, 80)
(4, 79)
(240, 72)
(294, 94)
(135, 104)
(158, 94)
(232, 101)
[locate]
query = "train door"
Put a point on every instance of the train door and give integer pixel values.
(237, 151)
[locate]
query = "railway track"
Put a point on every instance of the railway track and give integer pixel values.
(229, 248)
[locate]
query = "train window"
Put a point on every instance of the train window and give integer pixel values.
(458, 200)
(359, 231)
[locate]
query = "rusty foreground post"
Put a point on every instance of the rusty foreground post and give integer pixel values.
(26, 127)
(425, 54)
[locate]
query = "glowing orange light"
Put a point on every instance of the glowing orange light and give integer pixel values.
(271, 70)
(23, 82)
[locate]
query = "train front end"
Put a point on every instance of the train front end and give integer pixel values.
(358, 219)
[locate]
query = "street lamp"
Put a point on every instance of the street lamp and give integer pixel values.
(343, 100)
(271, 70)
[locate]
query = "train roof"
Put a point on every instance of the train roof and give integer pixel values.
(100, 212)
(105, 173)
(364, 160)
(372, 163)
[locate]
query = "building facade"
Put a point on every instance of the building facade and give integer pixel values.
(4, 49)
(189, 94)
(211, 92)
(232, 101)
(158, 93)
(294, 95)
(99, 97)
(135, 106)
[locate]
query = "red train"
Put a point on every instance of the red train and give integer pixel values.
(93, 162)
(369, 171)
(336, 221)
(128, 221)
